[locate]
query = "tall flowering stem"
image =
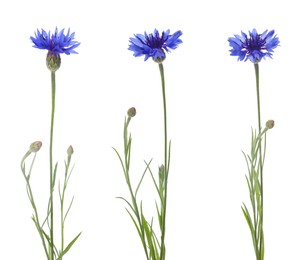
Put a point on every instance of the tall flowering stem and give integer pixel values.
(261, 239)
(256, 65)
(57, 43)
(255, 47)
(152, 46)
(163, 197)
(52, 177)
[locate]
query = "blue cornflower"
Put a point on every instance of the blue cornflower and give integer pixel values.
(153, 45)
(56, 43)
(253, 47)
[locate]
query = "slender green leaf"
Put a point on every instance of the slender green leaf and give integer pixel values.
(146, 168)
(132, 208)
(55, 174)
(70, 244)
(250, 224)
(120, 159)
(69, 207)
(154, 181)
(136, 225)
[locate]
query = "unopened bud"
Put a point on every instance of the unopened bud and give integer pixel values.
(270, 124)
(161, 170)
(70, 150)
(53, 61)
(131, 112)
(35, 147)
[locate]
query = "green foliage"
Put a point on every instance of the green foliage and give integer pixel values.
(149, 240)
(154, 248)
(44, 232)
(254, 179)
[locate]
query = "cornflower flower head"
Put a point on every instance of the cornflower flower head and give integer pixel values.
(56, 44)
(253, 46)
(154, 45)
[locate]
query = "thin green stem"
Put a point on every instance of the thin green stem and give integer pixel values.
(31, 198)
(258, 95)
(62, 196)
(261, 241)
(252, 199)
(62, 214)
(162, 250)
(165, 115)
(62, 231)
(127, 151)
(53, 80)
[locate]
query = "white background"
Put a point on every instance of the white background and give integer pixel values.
(211, 103)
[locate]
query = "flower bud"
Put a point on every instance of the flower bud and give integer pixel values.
(161, 171)
(131, 112)
(270, 124)
(35, 147)
(53, 61)
(70, 150)
(161, 168)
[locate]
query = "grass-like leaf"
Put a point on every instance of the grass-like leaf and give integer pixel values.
(68, 247)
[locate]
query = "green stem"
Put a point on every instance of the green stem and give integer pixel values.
(258, 95)
(53, 79)
(127, 141)
(162, 250)
(31, 198)
(62, 196)
(261, 242)
(62, 216)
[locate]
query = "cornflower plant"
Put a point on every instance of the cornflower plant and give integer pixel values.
(152, 46)
(255, 47)
(56, 44)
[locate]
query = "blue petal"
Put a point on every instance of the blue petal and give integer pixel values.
(56, 43)
(153, 45)
(253, 47)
